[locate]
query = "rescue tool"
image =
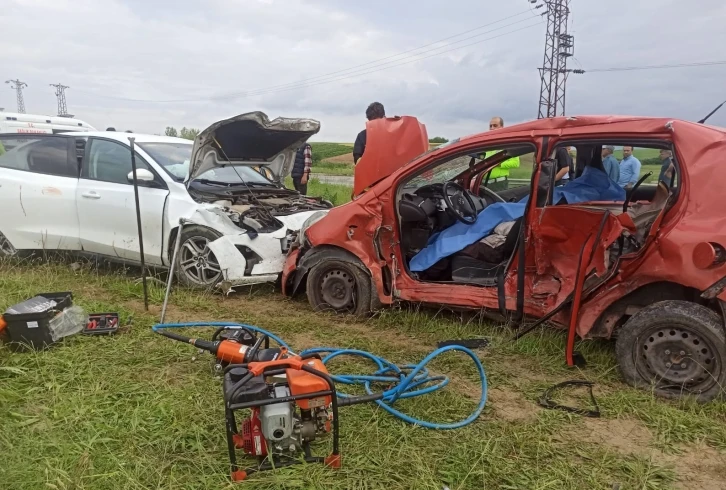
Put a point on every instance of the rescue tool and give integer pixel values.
(292, 398)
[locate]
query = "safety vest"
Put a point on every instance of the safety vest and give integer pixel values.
(502, 170)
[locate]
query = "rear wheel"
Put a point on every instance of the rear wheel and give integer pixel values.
(196, 265)
(675, 348)
(6, 248)
(339, 286)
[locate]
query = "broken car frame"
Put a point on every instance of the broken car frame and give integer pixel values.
(663, 245)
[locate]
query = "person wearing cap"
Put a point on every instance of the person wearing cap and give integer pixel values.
(610, 163)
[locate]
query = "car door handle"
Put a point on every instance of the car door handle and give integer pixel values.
(91, 195)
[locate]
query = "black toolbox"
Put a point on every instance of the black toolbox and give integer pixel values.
(28, 321)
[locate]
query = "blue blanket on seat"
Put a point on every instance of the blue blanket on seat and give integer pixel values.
(592, 185)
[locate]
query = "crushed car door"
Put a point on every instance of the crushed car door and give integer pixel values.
(107, 208)
(557, 236)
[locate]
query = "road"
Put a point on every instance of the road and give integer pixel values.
(334, 179)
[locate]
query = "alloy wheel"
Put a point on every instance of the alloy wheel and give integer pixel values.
(198, 262)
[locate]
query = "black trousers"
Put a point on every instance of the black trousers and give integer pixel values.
(299, 186)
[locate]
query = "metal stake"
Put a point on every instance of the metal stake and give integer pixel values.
(177, 246)
(138, 223)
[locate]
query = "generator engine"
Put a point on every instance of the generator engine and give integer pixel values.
(289, 409)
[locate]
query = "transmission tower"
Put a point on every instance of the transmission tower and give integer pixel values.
(559, 47)
(18, 86)
(60, 93)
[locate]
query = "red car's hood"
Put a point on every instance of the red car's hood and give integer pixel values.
(390, 144)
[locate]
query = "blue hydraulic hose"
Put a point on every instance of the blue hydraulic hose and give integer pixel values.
(417, 375)
(408, 380)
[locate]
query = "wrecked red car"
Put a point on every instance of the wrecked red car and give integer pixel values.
(646, 266)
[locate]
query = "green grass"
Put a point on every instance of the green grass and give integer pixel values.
(335, 193)
(139, 411)
(322, 151)
(332, 168)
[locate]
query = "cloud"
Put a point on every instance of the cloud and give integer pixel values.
(268, 50)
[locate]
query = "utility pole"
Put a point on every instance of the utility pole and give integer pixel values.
(18, 86)
(559, 46)
(60, 93)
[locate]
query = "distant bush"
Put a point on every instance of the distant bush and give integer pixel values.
(651, 161)
(438, 139)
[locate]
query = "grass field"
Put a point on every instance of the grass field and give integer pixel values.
(337, 194)
(336, 156)
(139, 411)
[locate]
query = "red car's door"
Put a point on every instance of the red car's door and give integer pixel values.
(564, 243)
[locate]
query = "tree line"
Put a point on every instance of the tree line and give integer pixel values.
(186, 133)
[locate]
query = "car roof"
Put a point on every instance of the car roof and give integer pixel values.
(123, 137)
(574, 124)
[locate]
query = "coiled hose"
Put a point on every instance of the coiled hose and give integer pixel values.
(407, 381)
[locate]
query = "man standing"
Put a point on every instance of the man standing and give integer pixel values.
(374, 111)
(498, 176)
(667, 169)
(610, 163)
(629, 169)
(301, 168)
(564, 165)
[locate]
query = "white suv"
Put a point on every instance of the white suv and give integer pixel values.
(74, 192)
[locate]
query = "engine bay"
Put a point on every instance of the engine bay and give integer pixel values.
(257, 211)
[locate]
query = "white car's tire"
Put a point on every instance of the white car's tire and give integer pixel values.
(6, 248)
(196, 266)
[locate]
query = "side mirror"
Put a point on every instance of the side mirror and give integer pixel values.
(142, 175)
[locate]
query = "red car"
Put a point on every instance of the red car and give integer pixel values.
(647, 266)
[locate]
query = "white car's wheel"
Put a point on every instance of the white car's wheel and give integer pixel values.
(196, 265)
(6, 248)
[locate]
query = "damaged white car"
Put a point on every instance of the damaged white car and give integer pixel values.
(74, 192)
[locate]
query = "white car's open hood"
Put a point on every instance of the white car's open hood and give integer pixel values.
(253, 140)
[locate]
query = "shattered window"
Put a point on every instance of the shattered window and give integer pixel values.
(442, 173)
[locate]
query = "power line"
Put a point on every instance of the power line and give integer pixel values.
(420, 47)
(18, 86)
(356, 71)
(658, 67)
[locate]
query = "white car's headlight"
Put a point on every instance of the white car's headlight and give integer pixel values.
(314, 218)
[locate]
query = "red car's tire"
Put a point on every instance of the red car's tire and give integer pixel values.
(339, 286)
(676, 349)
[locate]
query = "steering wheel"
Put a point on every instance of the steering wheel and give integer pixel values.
(459, 202)
(496, 197)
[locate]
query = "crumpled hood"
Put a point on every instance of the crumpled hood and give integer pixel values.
(252, 140)
(391, 143)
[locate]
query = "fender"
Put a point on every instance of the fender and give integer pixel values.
(316, 255)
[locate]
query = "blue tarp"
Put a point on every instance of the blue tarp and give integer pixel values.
(592, 185)
(460, 235)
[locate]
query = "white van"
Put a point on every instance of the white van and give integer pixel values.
(11, 122)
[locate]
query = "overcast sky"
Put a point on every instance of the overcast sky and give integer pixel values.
(154, 51)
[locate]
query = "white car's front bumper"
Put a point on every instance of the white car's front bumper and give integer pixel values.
(271, 248)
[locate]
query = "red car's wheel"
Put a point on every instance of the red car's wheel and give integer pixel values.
(339, 286)
(675, 348)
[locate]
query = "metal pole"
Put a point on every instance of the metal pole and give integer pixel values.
(177, 246)
(138, 223)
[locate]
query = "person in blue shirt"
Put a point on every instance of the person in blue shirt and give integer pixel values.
(629, 169)
(610, 163)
